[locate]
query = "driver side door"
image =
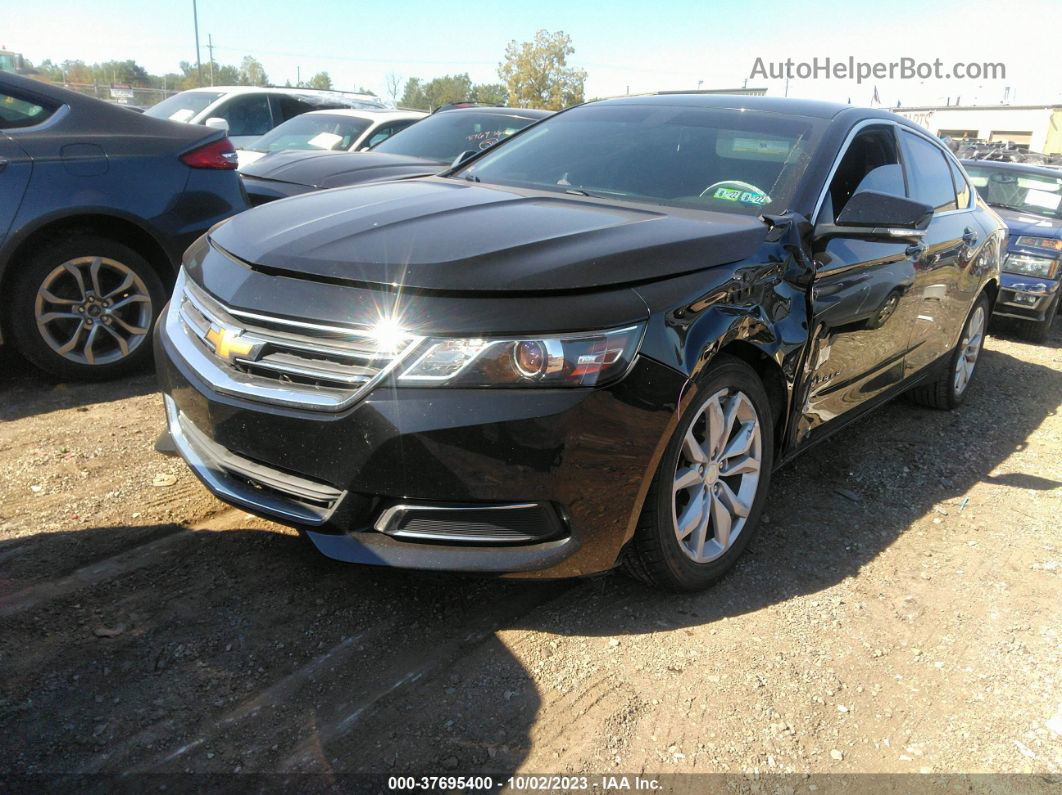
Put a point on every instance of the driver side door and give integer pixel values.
(861, 298)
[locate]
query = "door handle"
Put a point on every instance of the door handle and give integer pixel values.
(969, 237)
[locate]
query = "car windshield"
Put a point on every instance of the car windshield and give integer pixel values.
(728, 160)
(183, 106)
(1014, 189)
(312, 131)
(444, 135)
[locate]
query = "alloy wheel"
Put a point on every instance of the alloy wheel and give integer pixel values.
(717, 475)
(93, 310)
(970, 348)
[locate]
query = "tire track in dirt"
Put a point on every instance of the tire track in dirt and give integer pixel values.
(100, 571)
(409, 668)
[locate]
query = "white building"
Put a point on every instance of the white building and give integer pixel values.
(1037, 126)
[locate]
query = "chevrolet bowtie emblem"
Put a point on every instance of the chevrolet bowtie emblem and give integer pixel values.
(227, 343)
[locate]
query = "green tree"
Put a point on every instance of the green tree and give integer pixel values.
(226, 75)
(436, 92)
(413, 95)
(448, 88)
(127, 72)
(491, 94)
(537, 72)
(252, 73)
(320, 80)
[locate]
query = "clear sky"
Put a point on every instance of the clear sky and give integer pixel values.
(624, 46)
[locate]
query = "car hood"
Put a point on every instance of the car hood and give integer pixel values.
(1021, 223)
(248, 156)
(443, 234)
(335, 169)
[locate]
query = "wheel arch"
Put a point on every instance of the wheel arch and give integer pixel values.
(991, 289)
(119, 228)
(770, 375)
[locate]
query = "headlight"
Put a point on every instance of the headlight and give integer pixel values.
(1040, 242)
(556, 361)
(1044, 267)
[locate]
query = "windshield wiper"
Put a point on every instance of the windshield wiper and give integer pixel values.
(581, 192)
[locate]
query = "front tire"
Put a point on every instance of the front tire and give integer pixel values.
(83, 308)
(705, 501)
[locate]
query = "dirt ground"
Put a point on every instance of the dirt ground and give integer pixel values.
(900, 611)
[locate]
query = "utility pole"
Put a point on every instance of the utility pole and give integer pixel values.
(210, 46)
(298, 77)
(198, 61)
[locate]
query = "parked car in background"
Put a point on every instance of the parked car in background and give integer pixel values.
(246, 112)
(330, 131)
(425, 148)
(589, 345)
(1029, 200)
(97, 205)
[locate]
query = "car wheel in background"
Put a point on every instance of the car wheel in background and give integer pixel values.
(705, 501)
(947, 389)
(1038, 330)
(84, 306)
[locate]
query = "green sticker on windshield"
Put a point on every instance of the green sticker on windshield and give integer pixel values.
(741, 196)
(727, 194)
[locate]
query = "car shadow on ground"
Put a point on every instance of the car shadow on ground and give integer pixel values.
(26, 391)
(243, 649)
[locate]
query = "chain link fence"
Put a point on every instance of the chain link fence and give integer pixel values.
(133, 95)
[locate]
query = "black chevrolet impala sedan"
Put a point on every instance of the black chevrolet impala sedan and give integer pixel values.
(586, 347)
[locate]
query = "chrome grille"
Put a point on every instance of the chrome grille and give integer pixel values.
(277, 359)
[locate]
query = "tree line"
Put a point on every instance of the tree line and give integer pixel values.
(532, 74)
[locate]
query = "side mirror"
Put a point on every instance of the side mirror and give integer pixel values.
(217, 123)
(879, 216)
(464, 156)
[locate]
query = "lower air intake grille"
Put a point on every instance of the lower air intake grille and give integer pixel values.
(485, 524)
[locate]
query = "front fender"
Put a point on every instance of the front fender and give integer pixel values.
(694, 317)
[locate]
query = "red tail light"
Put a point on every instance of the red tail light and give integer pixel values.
(219, 154)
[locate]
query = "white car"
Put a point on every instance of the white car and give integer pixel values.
(247, 112)
(330, 130)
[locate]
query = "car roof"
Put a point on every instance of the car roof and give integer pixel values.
(315, 93)
(368, 113)
(493, 110)
(1027, 168)
(800, 107)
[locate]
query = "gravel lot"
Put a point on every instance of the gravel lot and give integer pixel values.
(900, 612)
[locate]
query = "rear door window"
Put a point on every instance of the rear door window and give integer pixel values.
(247, 114)
(928, 173)
(19, 112)
(962, 187)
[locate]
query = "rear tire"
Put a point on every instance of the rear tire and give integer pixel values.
(947, 389)
(727, 428)
(83, 308)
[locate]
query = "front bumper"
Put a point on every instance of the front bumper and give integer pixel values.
(584, 454)
(1025, 297)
